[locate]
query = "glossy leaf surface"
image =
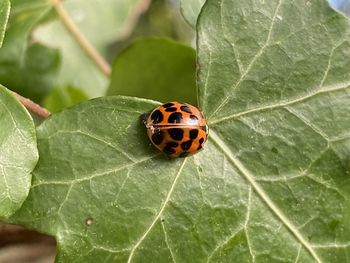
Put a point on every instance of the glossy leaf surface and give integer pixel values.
(18, 153)
(271, 185)
(4, 13)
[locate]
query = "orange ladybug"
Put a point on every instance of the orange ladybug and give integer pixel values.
(177, 129)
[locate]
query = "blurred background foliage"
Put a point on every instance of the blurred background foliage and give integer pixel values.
(143, 70)
(42, 61)
(147, 42)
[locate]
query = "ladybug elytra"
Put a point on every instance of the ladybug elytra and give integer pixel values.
(177, 129)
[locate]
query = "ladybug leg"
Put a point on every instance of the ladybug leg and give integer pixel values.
(144, 118)
(169, 156)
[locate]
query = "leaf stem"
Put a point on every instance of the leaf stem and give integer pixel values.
(80, 38)
(32, 106)
(140, 8)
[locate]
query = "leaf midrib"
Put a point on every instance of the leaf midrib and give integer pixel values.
(252, 62)
(215, 138)
(325, 89)
(159, 214)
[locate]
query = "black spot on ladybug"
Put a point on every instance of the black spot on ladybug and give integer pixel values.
(168, 150)
(176, 133)
(157, 137)
(175, 128)
(186, 145)
(172, 144)
(193, 134)
(184, 154)
(185, 109)
(157, 116)
(175, 117)
(171, 109)
(193, 119)
(168, 105)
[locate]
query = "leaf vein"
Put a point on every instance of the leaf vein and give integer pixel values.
(246, 223)
(233, 234)
(308, 123)
(96, 175)
(7, 187)
(108, 144)
(298, 255)
(325, 89)
(159, 213)
(205, 85)
(331, 245)
(252, 62)
(263, 196)
(240, 66)
(167, 241)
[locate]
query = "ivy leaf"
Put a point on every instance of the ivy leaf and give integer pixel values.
(271, 185)
(157, 63)
(275, 90)
(102, 24)
(4, 14)
(190, 10)
(26, 66)
(18, 153)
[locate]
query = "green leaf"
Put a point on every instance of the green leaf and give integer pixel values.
(18, 153)
(4, 15)
(275, 79)
(102, 24)
(271, 185)
(158, 69)
(26, 67)
(61, 98)
(190, 10)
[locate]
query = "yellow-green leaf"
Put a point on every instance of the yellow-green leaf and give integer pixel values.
(271, 185)
(18, 153)
(155, 68)
(4, 14)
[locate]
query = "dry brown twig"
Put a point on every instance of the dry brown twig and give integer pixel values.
(84, 43)
(32, 106)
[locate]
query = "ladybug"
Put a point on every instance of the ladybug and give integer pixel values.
(177, 129)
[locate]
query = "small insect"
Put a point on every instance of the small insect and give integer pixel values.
(177, 129)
